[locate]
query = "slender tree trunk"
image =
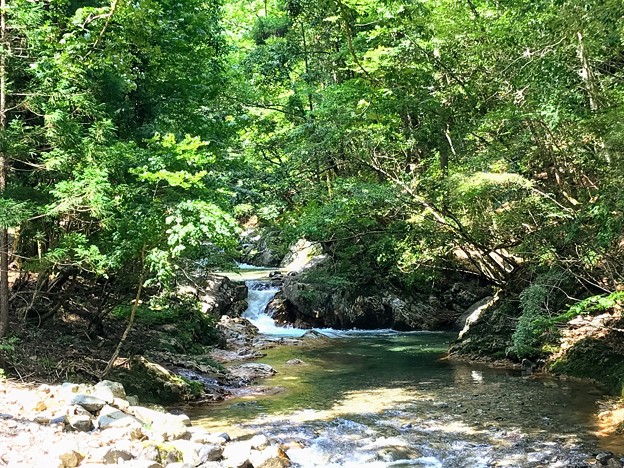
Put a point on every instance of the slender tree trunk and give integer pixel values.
(306, 62)
(588, 75)
(133, 312)
(4, 236)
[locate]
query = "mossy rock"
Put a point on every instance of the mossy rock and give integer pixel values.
(594, 359)
(152, 383)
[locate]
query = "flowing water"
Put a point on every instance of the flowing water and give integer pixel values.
(388, 399)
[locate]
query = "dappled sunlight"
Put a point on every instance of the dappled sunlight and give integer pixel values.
(377, 401)
(356, 402)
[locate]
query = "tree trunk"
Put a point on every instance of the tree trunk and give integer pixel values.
(588, 75)
(4, 235)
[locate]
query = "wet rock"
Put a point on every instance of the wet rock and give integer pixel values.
(243, 354)
(393, 454)
(238, 332)
(313, 302)
(295, 362)
(472, 314)
(255, 248)
(250, 372)
(217, 294)
(315, 335)
(604, 457)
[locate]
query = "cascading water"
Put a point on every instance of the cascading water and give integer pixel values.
(259, 295)
(386, 399)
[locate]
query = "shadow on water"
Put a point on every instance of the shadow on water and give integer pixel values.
(388, 400)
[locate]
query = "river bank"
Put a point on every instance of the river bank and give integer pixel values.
(439, 414)
(374, 398)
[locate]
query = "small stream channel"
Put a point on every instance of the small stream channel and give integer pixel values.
(388, 399)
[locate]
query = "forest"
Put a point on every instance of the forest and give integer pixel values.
(413, 140)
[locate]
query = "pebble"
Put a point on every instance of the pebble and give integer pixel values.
(76, 428)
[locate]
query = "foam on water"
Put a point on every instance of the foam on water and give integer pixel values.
(260, 293)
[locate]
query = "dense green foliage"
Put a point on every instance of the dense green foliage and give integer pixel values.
(408, 138)
(115, 140)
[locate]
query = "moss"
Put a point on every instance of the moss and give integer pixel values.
(196, 388)
(592, 358)
(189, 329)
(154, 384)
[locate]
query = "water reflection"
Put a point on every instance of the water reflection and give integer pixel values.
(390, 401)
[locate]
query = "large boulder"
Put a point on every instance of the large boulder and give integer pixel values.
(487, 327)
(302, 255)
(256, 250)
(305, 304)
(218, 295)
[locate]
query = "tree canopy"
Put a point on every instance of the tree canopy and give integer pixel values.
(408, 138)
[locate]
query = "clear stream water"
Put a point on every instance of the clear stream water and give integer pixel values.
(389, 399)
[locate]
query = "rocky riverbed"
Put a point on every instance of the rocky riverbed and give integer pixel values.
(73, 425)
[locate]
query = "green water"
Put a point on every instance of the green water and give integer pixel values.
(392, 399)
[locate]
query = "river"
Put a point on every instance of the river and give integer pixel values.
(392, 399)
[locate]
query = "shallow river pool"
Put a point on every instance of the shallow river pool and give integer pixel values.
(392, 399)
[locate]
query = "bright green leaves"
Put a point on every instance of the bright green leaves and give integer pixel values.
(87, 192)
(195, 223)
(74, 249)
(177, 164)
(120, 135)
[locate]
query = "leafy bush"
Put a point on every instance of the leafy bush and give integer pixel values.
(540, 303)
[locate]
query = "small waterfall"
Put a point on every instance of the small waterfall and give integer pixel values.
(260, 293)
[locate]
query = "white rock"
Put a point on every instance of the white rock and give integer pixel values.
(184, 419)
(189, 451)
(259, 442)
(210, 453)
(75, 410)
(121, 404)
(80, 422)
(271, 457)
(142, 464)
(88, 402)
(164, 426)
(237, 455)
(201, 436)
(116, 388)
(111, 417)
